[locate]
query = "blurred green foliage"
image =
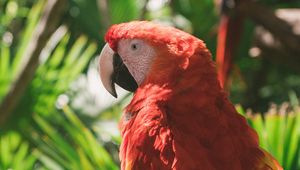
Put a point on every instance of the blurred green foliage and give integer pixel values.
(279, 133)
(15, 152)
(44, 132)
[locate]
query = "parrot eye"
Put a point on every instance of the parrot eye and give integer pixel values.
(134, 46)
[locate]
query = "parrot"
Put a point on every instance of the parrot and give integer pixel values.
(229, 35)
(179, 117)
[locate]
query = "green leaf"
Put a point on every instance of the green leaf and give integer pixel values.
(33, 18)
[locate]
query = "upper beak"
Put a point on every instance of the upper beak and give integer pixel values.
(113, 70)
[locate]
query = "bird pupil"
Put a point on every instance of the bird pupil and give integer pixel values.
(134, 46)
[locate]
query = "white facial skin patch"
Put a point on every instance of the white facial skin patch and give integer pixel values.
(137, 55)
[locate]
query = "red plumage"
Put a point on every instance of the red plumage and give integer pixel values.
(179, 117)
(229, 35)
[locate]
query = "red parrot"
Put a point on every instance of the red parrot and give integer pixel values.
(229, 35)
(228, 38)
(179, 117)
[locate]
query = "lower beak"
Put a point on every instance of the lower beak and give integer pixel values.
(113, 70)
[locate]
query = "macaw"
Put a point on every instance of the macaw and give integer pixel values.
(179, 117)
(229, 35)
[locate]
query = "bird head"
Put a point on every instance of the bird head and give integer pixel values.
(143, 52)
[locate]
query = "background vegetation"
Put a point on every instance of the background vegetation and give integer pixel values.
(54, 113)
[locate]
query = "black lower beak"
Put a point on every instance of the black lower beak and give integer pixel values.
(121, 75)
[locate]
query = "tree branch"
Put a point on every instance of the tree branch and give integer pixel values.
(105, 14)
(48, 23)
(267, 18)
(278, 55)
(273, 49)
(144, 10)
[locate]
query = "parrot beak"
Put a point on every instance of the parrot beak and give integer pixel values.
(113, 70)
